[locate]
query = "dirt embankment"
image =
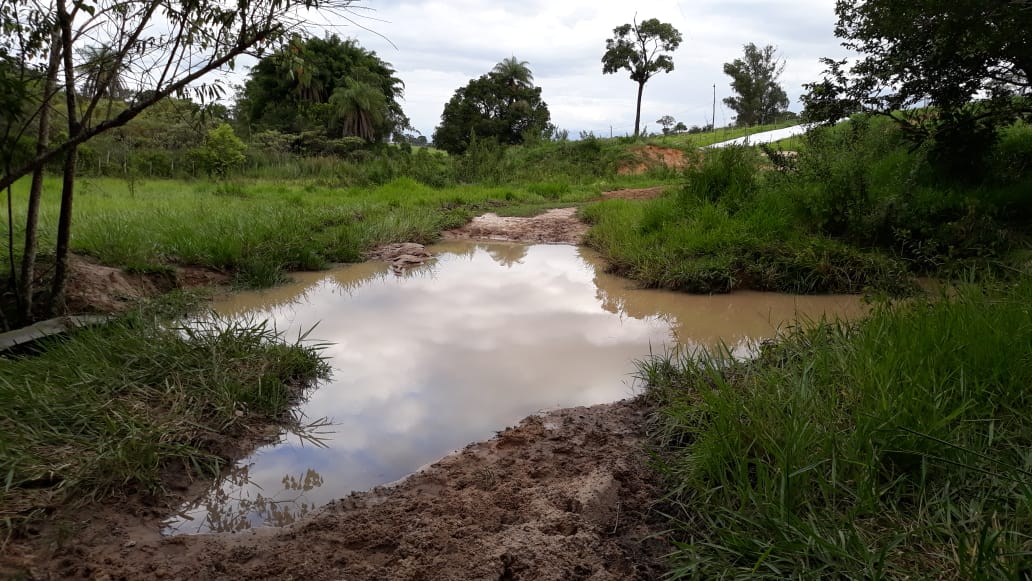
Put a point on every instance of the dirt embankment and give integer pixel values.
(649, 157)
(565, 495)
(95, 288)
(559, 225)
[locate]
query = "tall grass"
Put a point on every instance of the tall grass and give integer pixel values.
(896, 448)
(259, 229)
(104, 412)
(864, 183)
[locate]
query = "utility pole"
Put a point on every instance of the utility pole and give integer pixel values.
(713, 124)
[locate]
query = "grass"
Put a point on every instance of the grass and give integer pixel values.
(725, 231)
(894, 448)
(258, 229)
(105, 412)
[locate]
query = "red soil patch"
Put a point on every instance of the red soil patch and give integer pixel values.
(651, 156)
(638, 194)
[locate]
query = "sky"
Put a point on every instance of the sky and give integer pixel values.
(437, 46)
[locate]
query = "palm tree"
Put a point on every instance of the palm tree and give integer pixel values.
(361, 108)
(514, 72)
(102, 72)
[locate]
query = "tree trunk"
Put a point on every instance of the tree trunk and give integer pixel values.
(28, 266)
(637, 114)
(64, 225)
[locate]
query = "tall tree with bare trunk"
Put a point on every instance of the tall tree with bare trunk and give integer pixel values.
(641, 49)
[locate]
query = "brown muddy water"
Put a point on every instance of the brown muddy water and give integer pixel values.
(454, 351)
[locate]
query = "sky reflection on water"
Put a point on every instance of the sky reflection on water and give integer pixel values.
(453, 352)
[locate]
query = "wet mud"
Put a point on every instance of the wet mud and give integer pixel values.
(557, 226)
(564, 495)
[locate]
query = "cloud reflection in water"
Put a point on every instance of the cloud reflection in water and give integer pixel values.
(456, 350)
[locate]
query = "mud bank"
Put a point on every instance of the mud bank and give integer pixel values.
(564, 495)
(557, 226)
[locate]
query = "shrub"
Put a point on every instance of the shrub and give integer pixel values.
(222, 151)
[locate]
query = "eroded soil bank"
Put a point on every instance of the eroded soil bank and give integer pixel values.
(565, 495)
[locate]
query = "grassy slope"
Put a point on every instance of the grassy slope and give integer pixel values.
(858, 209)
(716, 136)
(896, 448)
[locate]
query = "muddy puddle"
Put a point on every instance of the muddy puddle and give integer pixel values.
(453, 352)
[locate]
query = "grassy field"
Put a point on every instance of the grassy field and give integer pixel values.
(895, 448)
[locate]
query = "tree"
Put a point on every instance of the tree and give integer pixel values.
(670, 125)
(492, 107)
(361, 108)
(759, 98)
(162, 48)
(222, 151)
(101, 74)
(636, 48)
(969, 59)
(330, 84)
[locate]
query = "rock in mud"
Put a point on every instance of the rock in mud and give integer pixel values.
(401, 256)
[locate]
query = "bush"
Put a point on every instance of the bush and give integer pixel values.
(726, 176)
(862, 182)
(221, 152)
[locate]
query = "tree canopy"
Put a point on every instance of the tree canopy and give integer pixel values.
(324, 84)
(758, 97)
(641, 50)
(969, 59)
(493, 106)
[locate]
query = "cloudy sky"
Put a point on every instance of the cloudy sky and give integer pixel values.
(437, 46)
